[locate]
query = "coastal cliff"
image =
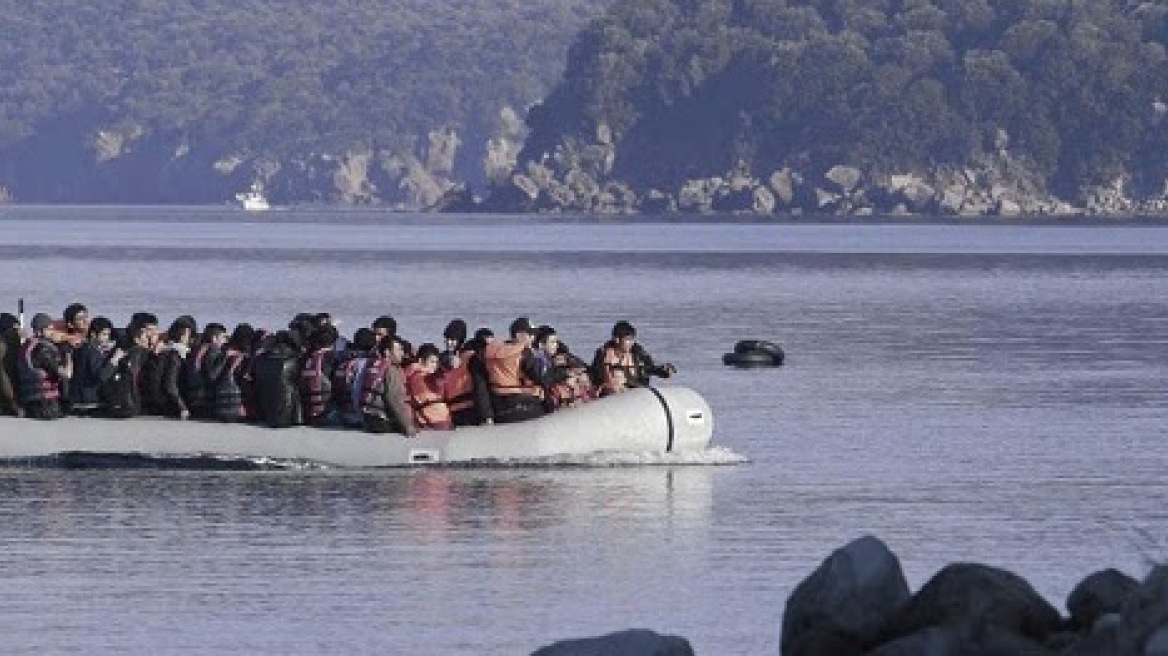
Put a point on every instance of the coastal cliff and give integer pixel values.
(390, 103)
(758, 107)
(932, 107)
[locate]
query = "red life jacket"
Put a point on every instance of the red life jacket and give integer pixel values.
(504, 371)
(373, 400)
(315, 386)
(613, 359)
(430, 409)
(36, 384)
(344, 379)
(194, 381)
(228, 394)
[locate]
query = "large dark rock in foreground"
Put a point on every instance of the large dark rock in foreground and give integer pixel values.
(842, 606)
(1097, 595)
(1144, 624)
(634, 642)
(858, 604)
(978, 598)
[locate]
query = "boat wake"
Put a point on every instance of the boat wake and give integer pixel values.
(713, 456)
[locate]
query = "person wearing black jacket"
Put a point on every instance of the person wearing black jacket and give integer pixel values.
(93, 365)
(163, 373)
(277, 379)
(9, 347)
(203, 366)
(121, 393)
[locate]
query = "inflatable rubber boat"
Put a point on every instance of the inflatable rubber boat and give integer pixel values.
(655, 420)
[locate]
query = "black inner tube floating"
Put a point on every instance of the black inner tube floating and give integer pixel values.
(754, 353)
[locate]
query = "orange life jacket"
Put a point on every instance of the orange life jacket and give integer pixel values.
(613, 359)
(460, 384)
(425, 392)
(504, 372)
(65, 336)
(564, 394)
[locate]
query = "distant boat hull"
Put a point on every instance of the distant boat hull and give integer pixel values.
(657, 420)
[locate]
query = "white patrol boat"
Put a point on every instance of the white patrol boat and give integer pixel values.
(253, 200)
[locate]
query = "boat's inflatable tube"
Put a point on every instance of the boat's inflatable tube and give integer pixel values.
(754, 353)
(659, 420)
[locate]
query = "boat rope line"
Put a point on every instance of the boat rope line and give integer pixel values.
(668, 418)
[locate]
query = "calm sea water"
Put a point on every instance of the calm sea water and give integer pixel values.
(966, 392)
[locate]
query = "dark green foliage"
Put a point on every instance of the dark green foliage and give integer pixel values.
(276, 78)
(694, 87)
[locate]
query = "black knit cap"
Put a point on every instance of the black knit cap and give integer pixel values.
(7, 322)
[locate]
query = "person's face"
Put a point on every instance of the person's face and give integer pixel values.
(220, 339)
(524, 338)
(381, 332)
(151, 333)
(429, 364)
(80, 322)
(551, 345)
(451, 344)
(625, 344)
(396, 352)
(101, 337)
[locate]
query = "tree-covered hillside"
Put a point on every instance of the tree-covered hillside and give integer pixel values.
(1072, 91)
(91, 92)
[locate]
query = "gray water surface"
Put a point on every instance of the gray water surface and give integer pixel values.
(986, 393)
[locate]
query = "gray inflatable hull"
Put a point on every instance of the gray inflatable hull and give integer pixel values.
(654, 420)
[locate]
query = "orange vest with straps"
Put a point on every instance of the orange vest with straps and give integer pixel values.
(425, 392)
(614, 359)
(460, 385)
(65, 336)
(504, 371)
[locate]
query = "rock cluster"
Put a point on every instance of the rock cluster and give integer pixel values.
(579, 177)
(857, 603)
(990, 188)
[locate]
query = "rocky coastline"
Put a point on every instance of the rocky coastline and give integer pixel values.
(858, 603)
(579, 178)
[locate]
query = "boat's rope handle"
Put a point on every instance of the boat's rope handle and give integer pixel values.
(668, 417)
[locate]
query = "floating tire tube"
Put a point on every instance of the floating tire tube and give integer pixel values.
(754, 353)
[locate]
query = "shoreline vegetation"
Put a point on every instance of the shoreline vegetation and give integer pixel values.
(971, 108)
(858, 603)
